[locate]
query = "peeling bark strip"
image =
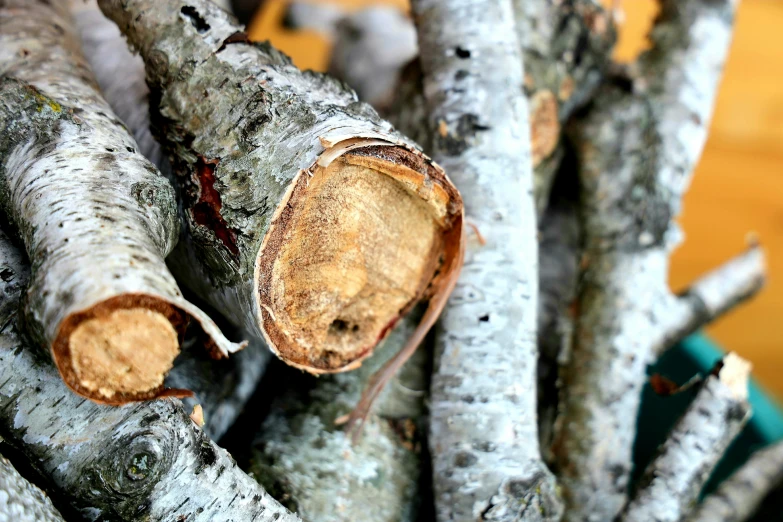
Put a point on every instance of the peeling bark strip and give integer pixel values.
(311, 465)
(21, 501)
(740, 495)
(672, 482)
(484, 436)
(138, 462)
(338, 222)
(637, 151)
(96, 218)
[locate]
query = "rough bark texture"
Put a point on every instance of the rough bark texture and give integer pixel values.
(96, 218)
(484, 436)
(308, 462)
(740, 495)
(249, 131)
(138, 462)
(671, 484)
(21, 501)
(637, 149)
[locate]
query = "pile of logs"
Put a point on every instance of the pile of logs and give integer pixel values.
(172, 218)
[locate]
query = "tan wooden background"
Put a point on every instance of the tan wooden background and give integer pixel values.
(738, 188)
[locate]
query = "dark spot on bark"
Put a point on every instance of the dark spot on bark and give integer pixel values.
(237, 37)
(468, 399)
(461, 74)
(130, 149)
(484, 446)
(484, 318)
(149, 419)
(618, 473)
(736, 412)
(462, 52)
(522, 487)
(206, 455)
(206, 211)
(6, 274)
(109, 149)
(195, 19)
(59, 29)
(464, 459)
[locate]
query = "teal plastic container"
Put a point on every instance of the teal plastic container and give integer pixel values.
(697, 354)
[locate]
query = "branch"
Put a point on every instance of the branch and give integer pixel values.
(145, 461)
(711, 296)
(21, 501)
(483, 432)
(100, 287)
(637, 149)
(739, 496)
(302, 457)
(672, 482)
(292, 232)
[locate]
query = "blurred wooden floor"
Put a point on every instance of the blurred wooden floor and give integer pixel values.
(738, 186)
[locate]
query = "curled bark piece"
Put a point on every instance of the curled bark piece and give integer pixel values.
(637, 148)
(671, 484)
(144, 461)
(95, 217)
(311, 221)
(484, 437)
(21, 501)
(305, 460)
(739, 496)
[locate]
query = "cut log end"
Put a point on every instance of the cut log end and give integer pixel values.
(121, 349)
(355, 247)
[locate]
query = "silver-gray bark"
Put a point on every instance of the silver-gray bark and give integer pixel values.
(21, 501)
(739, 496)
(672, 482)
(309, 462)
(483, 429)
(637, 148)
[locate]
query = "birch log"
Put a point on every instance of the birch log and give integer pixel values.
(637, 149)
(671, 484)
(484, 436)
(221, 388)
(96, 218)
(21, 501)
(739, 496)
(309, 463)
(138, 462)
(311, 221)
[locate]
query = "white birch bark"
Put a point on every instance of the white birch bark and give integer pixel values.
(95, 217)
(483, 430)
(671, 484)
(637, 148)
(139, 462)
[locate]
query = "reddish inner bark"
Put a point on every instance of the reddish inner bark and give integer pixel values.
(206, 211)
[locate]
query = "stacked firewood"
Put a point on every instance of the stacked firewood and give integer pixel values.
(172, 218)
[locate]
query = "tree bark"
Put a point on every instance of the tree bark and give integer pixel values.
(145, 461)
(96, 218)
(21, 501)
(672, 482)
(484, 437)
(637, 148)
(296, 195)
(311, 465)
(739, 496)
